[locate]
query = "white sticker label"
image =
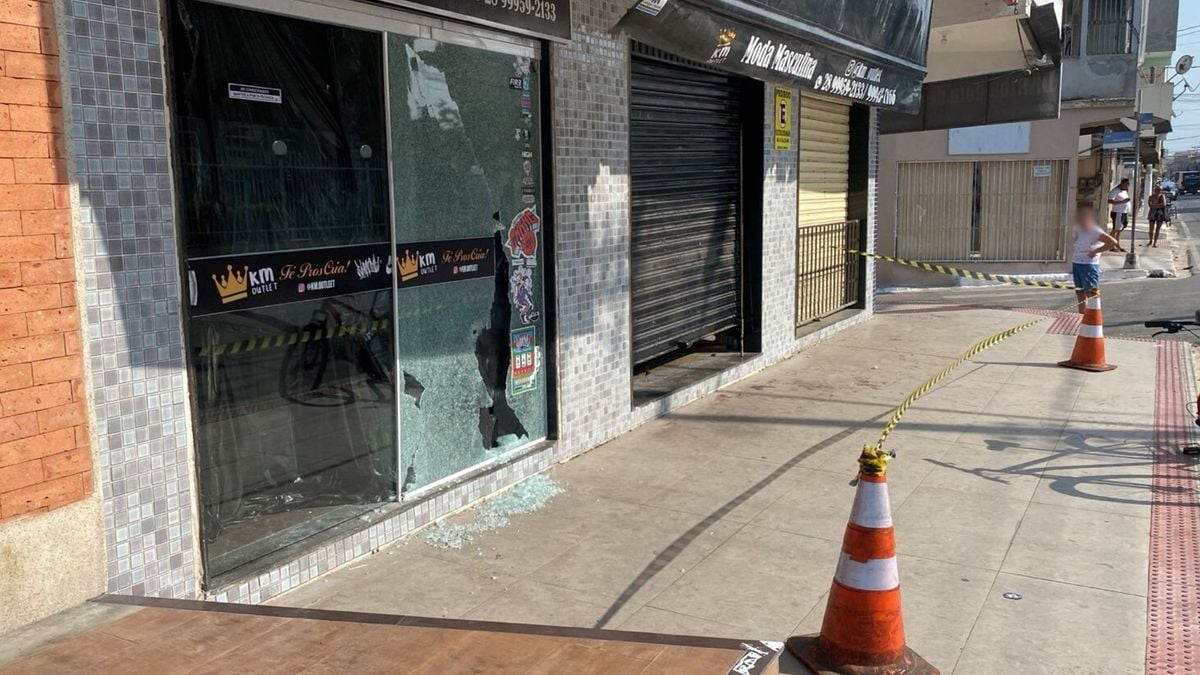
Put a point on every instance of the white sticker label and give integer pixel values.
(1041, 171)
(249, 92)
(651, 7)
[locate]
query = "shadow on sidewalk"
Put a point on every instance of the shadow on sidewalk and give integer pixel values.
(1065, 479)
(675, 548)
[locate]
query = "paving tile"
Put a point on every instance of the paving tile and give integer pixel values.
(762, 579)
(728, 488)
(817, 505)
(627, 473)
(1101, 480)
(397, 581)
(941, 601)
(529, 601)
(627, 563)
(1056, 628)
(1077, 546)
(526, 543)
(958, 527)
(1001, 472)
(655, 620)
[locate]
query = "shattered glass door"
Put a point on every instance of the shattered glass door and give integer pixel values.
(470, 314)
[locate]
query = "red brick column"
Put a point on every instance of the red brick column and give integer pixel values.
(45, 459)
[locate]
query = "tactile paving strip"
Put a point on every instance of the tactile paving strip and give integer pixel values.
(1173, 596)
(1065, 324)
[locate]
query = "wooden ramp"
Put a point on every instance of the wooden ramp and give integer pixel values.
(184, 636)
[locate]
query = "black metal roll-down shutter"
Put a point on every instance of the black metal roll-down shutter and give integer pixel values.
(685, 159)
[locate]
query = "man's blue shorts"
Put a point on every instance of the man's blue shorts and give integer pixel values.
(1087, 276)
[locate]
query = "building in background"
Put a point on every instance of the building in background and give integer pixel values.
(343, 267)
(1000, 196)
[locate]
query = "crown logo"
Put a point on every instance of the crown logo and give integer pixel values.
(408, 266)
(725, 37)
(231, 286)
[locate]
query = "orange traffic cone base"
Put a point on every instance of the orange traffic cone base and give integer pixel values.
(805, 648)
(1091, 368)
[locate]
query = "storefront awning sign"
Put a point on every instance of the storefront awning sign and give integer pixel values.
(550, 19)
(866, 51)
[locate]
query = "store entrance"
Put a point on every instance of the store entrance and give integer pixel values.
(360, 214)
(695, 156)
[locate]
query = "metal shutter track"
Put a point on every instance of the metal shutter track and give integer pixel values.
(685, 140)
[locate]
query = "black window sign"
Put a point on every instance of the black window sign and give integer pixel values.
(787, 58)
(436, 262)
(248, 92)
(544, 18)
(237, 282)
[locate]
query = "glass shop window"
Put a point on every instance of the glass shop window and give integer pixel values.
(465, 161)
(283, 205)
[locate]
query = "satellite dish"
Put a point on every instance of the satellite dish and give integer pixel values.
(1183, 65)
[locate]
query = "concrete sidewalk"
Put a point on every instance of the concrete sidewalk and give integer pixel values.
(1169, 257)
(725, 518)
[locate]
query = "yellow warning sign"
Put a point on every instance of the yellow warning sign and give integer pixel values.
(783, 119)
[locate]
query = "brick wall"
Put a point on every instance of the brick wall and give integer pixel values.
(45, 462)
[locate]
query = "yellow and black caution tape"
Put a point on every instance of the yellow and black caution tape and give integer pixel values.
(874, 458)
(292, 338)
(966, 274)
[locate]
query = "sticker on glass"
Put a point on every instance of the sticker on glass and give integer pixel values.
(249, 92)
(524, 366)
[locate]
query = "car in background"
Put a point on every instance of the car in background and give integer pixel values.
(1189, 183)
(1170, 189)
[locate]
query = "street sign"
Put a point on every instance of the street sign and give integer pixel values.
(1116, 140)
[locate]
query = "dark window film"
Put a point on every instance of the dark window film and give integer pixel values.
(283, 202)
(279, 131)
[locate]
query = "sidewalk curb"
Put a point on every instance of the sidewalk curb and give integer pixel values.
(1186, 233)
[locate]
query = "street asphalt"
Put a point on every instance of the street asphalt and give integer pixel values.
(1127, 303)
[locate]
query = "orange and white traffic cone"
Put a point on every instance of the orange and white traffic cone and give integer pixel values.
(1089, 343)
(863, 629)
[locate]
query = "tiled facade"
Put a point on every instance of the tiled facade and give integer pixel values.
(119, 147)
(121, 168)
(45, 462)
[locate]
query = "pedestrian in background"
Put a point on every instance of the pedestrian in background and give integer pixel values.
(1090, 241)
(1158, 214)
(1118, 210)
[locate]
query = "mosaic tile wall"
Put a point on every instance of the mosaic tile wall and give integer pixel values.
(872, 210)
(120, 166)
(591, 147)
(119, 146)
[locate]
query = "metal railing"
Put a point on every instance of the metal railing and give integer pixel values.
(1110, 27)
(827, 277)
